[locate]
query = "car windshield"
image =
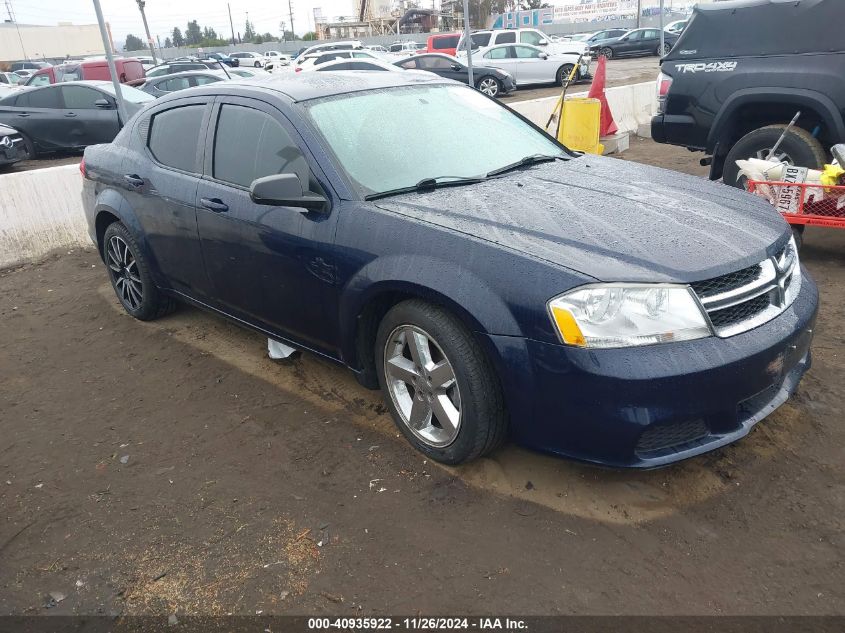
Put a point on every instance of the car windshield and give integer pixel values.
(437, 131)
(130, 94)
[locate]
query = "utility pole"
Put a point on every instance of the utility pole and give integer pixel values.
(639, 12)
(662, 33)
(141, 5)
(290, 13)
(468, 41)
(121, 107)
(231, 24)
(17, 27)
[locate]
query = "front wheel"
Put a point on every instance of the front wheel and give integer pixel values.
(489, 86)
(258, 64)
(607, 52)
(28, 148)
(563, 73)
(130, 276)
(439, 386)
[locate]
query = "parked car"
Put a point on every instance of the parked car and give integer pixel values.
(532, 37)
(493, 82)
(405, 48)
(247, 72)
(331, 46)
(10, 79)
(531, 64)
(606, 34)
(169, 68)
(222, 58)
(636, 42)
(732, 83)
(128, 69)
(67, 116)
(308, 62)
(493, 310)
(160, 86)
(277, 58)
(677, 27)
(249, 59)
(12, 148)
(147, 62)
(28, 65)
(446, 43)
(376, 48)
(24, 73)
(353, 64)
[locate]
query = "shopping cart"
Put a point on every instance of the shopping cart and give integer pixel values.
(803, 204)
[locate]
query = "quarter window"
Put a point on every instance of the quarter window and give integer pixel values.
(250, 144)
(174, 135)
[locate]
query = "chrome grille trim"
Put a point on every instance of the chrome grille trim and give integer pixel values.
(779, 279)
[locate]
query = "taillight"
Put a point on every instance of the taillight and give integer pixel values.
(664, 82)
(82, 168)
(298, 69)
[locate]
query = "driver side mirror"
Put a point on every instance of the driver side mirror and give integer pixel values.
(103, 104)
(456, 66)
(544, 55)
(542, 43)
(285, 190)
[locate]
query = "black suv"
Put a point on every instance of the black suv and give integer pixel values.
(740, 72)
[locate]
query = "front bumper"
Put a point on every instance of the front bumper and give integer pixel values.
(12, 153)
(650, 406)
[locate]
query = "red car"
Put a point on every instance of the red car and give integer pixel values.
(446, 43)
(128, 69)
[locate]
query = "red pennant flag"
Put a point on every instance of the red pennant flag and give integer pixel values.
(608, 125)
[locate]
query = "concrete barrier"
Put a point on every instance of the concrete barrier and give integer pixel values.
(40, 212)
(631, 106)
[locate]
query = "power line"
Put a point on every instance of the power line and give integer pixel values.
(11, 12)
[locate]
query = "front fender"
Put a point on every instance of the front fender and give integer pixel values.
(454, 287)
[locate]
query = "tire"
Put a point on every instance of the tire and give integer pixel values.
(607, 52)
(798, 234)
(457, 373)
(29, 148)
(489, 85)
(563, 73)
(130, 275)
(258, 64)
(799, 147)
(667, 47)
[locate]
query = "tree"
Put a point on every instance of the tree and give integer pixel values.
(133, 43)
(249, 31)
(209, 34)
(193, 33)
(526, 5)
(178, 40)
(309, 36)
(167, 43)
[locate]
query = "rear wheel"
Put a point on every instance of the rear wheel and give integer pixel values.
(440, 388)
(799, 147)
(489, 86)
(258, 64)
(607, 52)
(660, 52)
(130, 276)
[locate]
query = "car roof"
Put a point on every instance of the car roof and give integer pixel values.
(188, 73)
(314, 85)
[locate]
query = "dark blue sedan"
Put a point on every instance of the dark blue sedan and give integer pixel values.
(491, 282)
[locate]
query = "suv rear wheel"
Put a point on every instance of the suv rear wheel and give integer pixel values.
(799, 147)
(440, 388)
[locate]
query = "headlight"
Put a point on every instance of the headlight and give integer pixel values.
(626, 315)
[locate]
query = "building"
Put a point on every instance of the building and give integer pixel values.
(28, 41)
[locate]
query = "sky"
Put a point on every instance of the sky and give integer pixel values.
(163, 15)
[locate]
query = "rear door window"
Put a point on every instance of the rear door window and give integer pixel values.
(497, 53)
(45, 98)
(174, 136)
(506, 38)
(80, 97)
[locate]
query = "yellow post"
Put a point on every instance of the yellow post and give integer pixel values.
(580, 125)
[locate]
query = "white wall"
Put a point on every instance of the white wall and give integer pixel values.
(40, 212)
(631, 105)
(51, 42)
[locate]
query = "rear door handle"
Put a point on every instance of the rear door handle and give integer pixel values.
(23, 115)
(214, 204)
(133, 180)
(70, 115)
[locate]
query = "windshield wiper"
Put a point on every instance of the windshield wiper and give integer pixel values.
(533, 159)
(427, 184)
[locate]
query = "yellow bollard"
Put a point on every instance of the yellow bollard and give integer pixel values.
(580, 125)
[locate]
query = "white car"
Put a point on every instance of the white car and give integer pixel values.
(276, 58)
(334, 46)
(320, 58)
(249, 59)
(376, 48)
(676, 27)
(533, 37)
(531, 64)
(403, 49)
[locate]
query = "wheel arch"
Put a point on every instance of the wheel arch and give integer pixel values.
(753, 108)
(366, 300)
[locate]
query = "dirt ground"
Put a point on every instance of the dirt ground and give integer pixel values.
(170, 467)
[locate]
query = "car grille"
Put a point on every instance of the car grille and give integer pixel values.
(662, 437)
(747, 298)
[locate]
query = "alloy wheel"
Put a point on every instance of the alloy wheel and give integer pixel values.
(780, 156)
(124, 272)
(422, 385)
(488, 86)
(666, 48)
(607, 52)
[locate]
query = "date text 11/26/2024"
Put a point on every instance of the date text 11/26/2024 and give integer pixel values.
(417, 624)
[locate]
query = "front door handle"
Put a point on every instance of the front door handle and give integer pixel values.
(23, 115)
(133, 180)
(70, 115)
(214, 204)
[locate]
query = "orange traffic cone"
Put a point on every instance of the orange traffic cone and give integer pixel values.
(608, 125)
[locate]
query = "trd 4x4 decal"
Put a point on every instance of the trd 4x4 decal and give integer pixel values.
(711, 67)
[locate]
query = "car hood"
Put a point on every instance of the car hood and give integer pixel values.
(610, 40)
(609, 219)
